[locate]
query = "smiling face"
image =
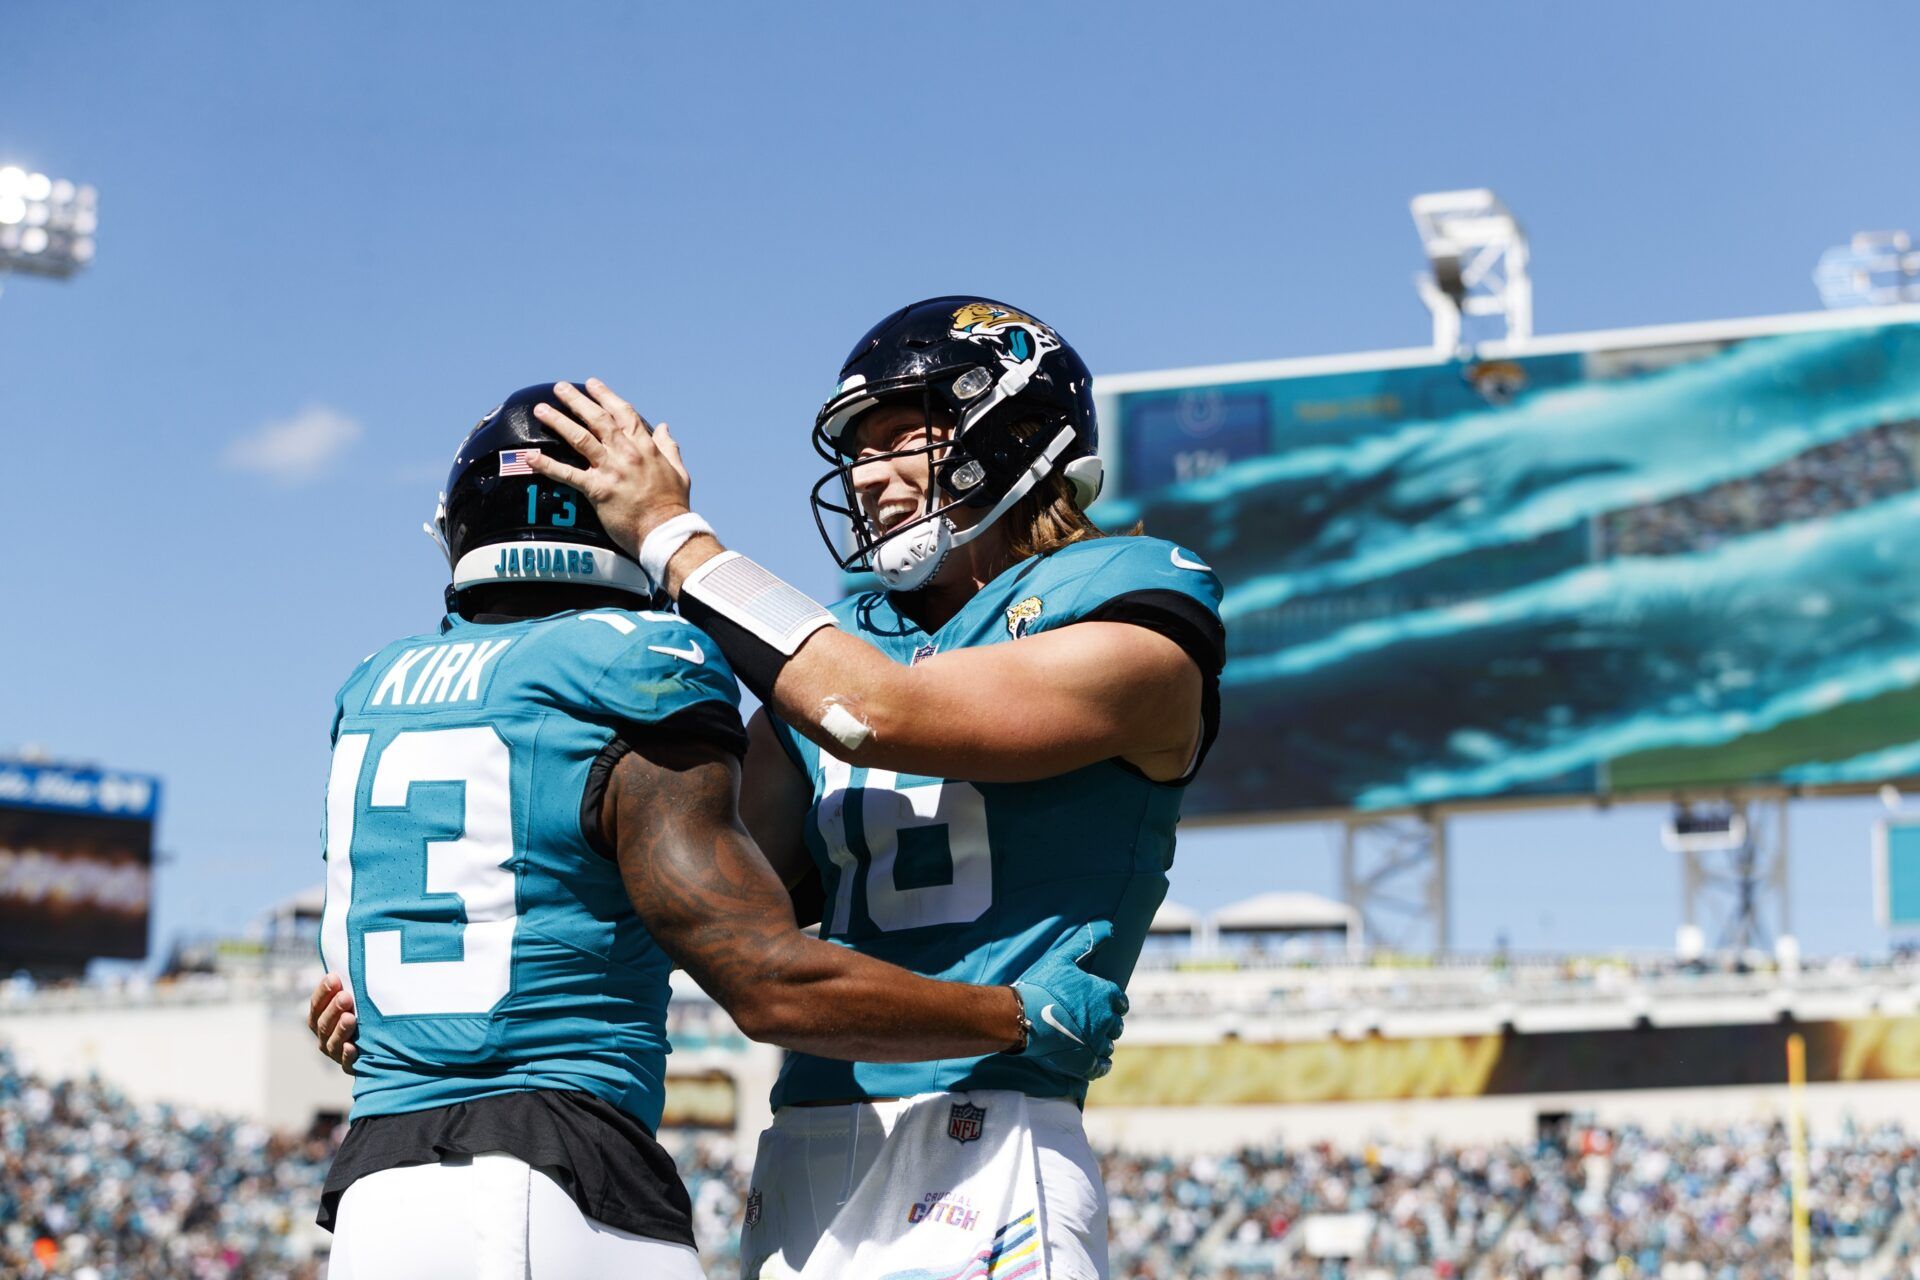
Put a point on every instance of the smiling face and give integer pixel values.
(893, 490)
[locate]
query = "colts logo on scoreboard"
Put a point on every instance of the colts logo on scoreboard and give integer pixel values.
(965, 1122)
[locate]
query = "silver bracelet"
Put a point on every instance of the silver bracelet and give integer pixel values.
(1026, 1023)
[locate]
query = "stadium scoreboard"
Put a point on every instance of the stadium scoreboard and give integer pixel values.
(1656, 563)
(76, 863)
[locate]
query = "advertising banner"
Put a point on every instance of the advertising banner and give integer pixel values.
(701, 1100)
(1237, 1072)
(76, 863)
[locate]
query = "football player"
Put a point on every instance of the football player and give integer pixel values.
(530, 818)
(980, 759)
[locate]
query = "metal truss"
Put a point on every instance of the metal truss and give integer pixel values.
(1738, 896)
(1393, 871)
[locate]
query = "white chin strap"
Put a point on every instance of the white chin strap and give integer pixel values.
(907, 560)
(541, 561)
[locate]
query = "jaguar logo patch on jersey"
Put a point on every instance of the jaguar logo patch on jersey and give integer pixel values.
(966, 1122)
(1022, 616)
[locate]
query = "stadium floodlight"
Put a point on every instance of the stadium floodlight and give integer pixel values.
(1477, 260)
(1874, 269)
(1714, 831)
(47, 225)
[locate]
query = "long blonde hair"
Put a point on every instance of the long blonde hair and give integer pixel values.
(1049, 518)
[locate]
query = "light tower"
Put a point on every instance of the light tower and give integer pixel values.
(47, 224)
(1393, 870)
(1874, 269)
(1477, 264)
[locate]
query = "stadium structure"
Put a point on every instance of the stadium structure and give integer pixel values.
(1273, 1110)
(1659, 565)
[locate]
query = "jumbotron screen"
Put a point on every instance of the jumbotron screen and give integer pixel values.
(1607, 568)
(76, 863)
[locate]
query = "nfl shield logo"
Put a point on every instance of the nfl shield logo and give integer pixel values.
(924, 651)
(965, 1122)
(753, 1206)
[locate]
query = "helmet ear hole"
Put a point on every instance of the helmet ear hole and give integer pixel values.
(1086, 475)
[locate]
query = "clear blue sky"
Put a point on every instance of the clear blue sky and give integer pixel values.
(333, 235)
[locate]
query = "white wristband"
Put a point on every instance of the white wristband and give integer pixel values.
(665, 541)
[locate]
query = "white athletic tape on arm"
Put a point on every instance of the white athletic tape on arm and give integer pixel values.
(849, 730)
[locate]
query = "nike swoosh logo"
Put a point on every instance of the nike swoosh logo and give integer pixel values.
(1181, 562)
(1046, 1016)
(691, 653)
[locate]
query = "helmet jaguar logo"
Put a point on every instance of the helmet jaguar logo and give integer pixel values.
(982, 315)
(1018, 336)
(1022, 616)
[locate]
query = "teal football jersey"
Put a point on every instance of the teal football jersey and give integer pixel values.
(471, 899)
(974, 882)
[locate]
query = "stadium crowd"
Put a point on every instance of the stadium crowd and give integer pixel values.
(1695, 1205)
(95, 1187)
(1827, 480)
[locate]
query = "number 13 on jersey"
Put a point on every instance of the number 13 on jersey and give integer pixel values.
(458, 842)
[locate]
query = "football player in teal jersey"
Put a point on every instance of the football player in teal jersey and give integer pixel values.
(980, 760)
(531, 817)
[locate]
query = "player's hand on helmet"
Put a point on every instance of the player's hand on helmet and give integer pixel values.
(331, 1018)
(634, 477)
(1076, 1015)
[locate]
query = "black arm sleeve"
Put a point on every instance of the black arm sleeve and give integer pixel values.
(754, 661)
(1179, 617)
(1197, 630)
(714, 723)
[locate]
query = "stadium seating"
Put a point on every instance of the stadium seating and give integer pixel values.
(94, 1187)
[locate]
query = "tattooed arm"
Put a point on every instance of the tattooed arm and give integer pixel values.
(774, 799)
(716, 907)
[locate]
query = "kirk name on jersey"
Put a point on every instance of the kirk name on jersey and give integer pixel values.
(437, 673)
(472, 900)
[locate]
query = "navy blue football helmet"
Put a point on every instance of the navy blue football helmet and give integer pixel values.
(499, 521)
(1021, 403)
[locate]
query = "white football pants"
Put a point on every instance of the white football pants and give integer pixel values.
(489, 1218)
(827, 1179)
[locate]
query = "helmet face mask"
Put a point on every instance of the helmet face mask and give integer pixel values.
(1021, 402)
(500, 522)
